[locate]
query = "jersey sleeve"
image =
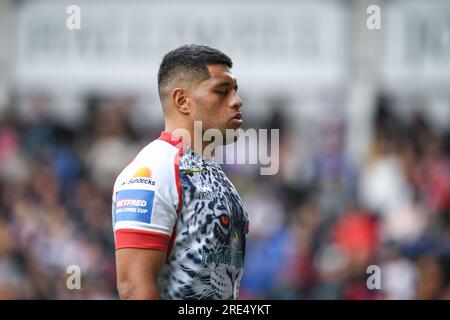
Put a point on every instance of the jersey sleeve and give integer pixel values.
(146, 197)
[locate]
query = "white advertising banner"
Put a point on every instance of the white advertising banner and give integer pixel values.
(416, 44)
(121, 43)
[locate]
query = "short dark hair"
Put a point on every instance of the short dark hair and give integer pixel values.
(189, 62)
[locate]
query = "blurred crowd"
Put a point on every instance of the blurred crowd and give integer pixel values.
(377, 230)
(315, 227)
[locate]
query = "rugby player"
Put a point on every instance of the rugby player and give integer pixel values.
(179, 224)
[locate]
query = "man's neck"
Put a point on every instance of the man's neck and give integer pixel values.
(191, 138)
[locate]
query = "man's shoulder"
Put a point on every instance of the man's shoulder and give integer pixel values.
(157, 149)
(156, 158)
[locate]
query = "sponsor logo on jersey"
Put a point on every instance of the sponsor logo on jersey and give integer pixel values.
(205, 192)
(207, 195)
(134, 205)
(131, 202)
(148, 181)
(222, 258)
(144, 172)
(142, 176)
(193, 169)
(232, 254)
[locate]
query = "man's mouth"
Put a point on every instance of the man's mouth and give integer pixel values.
(237, 119)
(238, 116)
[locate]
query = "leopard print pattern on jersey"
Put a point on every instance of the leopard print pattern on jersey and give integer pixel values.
(209, 249)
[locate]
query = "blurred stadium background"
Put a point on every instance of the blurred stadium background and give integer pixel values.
(364, 119)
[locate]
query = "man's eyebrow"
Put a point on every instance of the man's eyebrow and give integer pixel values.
(227, 83)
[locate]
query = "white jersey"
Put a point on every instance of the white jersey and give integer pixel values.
(171, 199)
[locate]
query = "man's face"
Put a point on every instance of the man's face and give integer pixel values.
(215, 101)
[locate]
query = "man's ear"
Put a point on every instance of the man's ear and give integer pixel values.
(180, 100)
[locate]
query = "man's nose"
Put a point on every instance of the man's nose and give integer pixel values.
(237, 102)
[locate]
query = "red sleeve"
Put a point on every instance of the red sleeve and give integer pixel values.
(132, 238)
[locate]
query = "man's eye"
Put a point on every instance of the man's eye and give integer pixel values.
(222, 91)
